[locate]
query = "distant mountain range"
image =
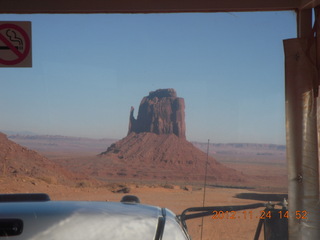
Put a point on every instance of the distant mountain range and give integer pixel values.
(23, 133)
(222, 148)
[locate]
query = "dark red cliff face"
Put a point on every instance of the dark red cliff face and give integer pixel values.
(161, 112)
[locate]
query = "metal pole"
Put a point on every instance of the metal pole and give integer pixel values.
(301, 127)
(204, 187)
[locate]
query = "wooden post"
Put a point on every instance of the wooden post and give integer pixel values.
(301, 127)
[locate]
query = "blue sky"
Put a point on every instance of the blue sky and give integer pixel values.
(88, 70)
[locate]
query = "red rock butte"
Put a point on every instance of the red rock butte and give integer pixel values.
(161, 112)
(156, 147)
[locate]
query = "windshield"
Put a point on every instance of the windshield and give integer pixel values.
(70, 130)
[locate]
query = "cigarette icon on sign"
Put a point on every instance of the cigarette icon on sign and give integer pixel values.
(12, 35)
(7, 48)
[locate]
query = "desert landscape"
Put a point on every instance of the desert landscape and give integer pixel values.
(155, 162)
(175, 195)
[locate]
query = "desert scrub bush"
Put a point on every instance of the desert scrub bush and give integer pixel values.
(167, 186)
(82, 184)
(47, 179)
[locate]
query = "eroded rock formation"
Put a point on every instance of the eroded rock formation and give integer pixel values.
(156, 148)
(161, 112)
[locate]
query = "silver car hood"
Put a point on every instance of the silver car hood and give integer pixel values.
(54, 220)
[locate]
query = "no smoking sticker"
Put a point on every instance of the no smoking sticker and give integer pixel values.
(15, 44)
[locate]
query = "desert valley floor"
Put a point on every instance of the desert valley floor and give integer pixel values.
(265, 163)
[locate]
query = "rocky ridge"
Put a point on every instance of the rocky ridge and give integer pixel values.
(19, 161)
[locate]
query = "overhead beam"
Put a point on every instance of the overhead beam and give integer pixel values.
(143, 6)
(307, 4)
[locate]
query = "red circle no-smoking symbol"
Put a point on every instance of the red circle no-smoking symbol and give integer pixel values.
(14, 44)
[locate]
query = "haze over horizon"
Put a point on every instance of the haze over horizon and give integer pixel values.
(32, 134)
(88, 70)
